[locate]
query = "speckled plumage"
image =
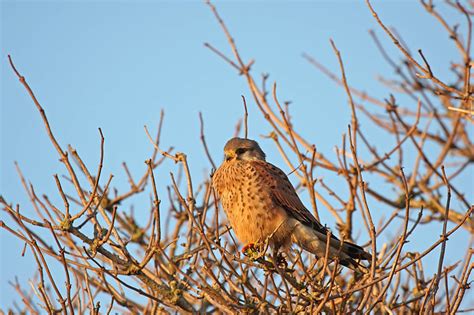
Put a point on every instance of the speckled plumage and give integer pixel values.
(260, 203)
(242, 187)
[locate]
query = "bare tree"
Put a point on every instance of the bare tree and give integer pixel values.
(112, 263)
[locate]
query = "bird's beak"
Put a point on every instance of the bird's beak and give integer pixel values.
(228, 156)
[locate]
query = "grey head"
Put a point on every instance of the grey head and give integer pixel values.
(243, 149)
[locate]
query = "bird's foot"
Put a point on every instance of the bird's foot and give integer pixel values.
(281, 261)
(255, 251)
(250, 247)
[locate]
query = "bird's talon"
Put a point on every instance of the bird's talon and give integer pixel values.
(255, 251)
(281, 261)
(248, 247)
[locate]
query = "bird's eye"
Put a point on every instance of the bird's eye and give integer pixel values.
(240, 151)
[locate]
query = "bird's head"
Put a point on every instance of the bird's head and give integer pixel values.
(243, 149)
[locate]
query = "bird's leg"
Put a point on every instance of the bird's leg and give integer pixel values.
(279, 260)
(276, 256)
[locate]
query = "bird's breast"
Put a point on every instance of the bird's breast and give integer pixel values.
(247, 200)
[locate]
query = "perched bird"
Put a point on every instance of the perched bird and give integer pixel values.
(261, 204)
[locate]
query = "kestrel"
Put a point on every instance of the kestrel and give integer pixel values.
(261, 204)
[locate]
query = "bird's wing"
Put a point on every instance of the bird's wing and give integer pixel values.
(285, 195)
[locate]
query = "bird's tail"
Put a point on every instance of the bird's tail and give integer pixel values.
(315, 242)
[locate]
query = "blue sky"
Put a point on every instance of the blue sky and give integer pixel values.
(115, 65)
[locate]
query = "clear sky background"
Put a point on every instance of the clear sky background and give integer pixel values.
(116, 64)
